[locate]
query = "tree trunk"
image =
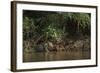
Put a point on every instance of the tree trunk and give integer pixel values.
(78, 27)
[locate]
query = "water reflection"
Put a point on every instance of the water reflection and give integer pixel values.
(55, 56)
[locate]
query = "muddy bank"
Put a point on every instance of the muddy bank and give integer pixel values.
(68, 44)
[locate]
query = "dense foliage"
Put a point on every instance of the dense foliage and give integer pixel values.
(43, 26)
(55, 24)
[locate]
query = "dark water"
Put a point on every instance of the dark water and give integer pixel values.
(55, 56)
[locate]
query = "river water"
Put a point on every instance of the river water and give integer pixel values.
(55, 56)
